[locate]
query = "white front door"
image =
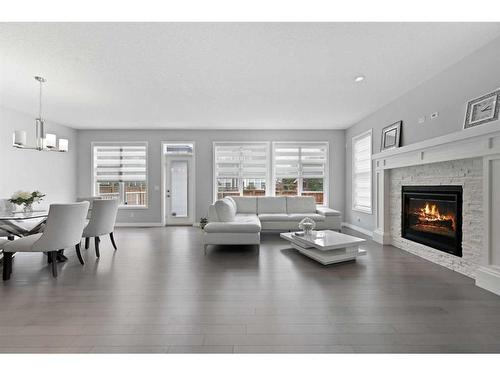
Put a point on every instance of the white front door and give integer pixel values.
(179, 190)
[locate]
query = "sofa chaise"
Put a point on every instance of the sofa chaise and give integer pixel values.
(239, 220)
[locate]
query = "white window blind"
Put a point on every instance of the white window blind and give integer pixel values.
(300, 160)
(120, 172)
(241, 160)
(120, 163)
(241, 166)
(301, 169)
(362, 172)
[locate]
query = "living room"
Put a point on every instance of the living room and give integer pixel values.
(250, 187)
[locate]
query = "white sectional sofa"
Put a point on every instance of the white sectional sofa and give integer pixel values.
(239, 220)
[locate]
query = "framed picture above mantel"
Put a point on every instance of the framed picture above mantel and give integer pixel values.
(482, 110)
(391, 136)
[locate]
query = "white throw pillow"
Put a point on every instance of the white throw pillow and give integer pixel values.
(232, 201)
(225, 210)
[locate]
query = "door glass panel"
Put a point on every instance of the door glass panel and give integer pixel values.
(179, 148)
(179, 188)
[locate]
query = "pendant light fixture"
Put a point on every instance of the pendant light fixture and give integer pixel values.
(43, 142)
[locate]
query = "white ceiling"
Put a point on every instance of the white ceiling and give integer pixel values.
(223, 75)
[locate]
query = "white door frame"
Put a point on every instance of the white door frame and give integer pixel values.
(192, 197)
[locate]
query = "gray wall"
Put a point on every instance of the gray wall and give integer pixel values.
(52, 173)
(204, 170)
(446, 93)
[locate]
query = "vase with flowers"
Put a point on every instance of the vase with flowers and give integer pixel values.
(307, 225)
(26, 199)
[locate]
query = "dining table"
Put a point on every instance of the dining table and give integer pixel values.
(11, 222)
(11, 225)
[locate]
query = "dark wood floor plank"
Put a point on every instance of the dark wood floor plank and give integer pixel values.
(237, 299)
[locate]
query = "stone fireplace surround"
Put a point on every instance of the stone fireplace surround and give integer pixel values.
(470, 158)
(465, 172)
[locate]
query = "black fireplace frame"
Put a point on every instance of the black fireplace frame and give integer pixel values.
(449, 193)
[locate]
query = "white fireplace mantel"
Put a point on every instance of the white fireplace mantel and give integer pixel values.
(470, 143)
(480, 142)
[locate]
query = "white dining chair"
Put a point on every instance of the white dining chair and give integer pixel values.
(90, 200)
(64, 228)
(102, 222)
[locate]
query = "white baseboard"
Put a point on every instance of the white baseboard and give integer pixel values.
(139, 225)
(358, 229)
(488, 278)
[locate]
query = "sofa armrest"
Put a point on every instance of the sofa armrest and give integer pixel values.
(325, 211)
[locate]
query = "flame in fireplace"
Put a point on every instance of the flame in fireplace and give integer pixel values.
(430, 215)
(431, 210)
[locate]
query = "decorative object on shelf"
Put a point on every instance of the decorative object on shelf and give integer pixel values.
(307, 225)
(26, 199)
(43, 142)
(482, 110)
(391, 136)
(203, 222)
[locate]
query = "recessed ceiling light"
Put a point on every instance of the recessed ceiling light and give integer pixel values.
(359, 79)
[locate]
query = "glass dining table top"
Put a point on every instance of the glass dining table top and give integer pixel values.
(21, 215)
(20, 223)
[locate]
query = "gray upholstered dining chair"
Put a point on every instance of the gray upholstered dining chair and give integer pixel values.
(90, 200)
(102, 222)
(63, 229)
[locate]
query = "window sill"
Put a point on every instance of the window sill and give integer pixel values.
(365, 211)
(127, 207)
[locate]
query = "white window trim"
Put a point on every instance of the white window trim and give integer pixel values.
(353, 204)
(93, 184)
(326, 178)
(214, 176)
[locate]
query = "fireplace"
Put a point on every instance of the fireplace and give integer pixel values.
(432, 215)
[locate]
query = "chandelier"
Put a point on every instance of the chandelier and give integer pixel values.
(43, 142)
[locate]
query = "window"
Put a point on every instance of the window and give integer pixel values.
(120, 172)
(362, 172)
(240, 169)
(178, 148)
(301, 169)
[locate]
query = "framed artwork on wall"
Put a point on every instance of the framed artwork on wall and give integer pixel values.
(391, 136)
(482, 110)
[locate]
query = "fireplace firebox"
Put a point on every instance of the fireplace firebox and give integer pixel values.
(432, 216)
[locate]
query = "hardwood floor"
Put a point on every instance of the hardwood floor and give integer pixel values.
(158, 293)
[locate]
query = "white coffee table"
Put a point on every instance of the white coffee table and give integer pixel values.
(326, 246)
